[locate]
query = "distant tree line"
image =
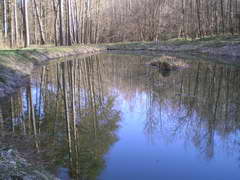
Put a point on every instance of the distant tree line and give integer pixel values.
(67, 22)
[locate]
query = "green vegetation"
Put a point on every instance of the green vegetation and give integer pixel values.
(13, 57)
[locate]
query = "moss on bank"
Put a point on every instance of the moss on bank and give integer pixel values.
(37, 54)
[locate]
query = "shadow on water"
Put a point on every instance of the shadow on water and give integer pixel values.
(70, 112)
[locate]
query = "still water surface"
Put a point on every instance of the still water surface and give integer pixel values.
(111, 117)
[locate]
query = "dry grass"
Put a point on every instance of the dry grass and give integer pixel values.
(173, 62)
(178, 43)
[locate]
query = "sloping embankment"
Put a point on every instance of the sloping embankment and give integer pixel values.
(17, 64)
(13, 166)
(228, 46)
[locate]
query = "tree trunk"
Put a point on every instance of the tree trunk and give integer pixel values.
(42, 37)
(16, 22)
(10, 22)
(26, 25)
(5, 19)
(199, 18)
(69, 34)
(222, 15)
(61, 36)
(55, 22)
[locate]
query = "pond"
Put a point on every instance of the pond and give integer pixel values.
(112, 117)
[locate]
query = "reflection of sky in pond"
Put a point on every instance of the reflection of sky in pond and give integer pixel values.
(184, 126)
(138, 156)
(36, 98)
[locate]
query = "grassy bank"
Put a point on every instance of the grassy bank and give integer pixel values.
(217, 45)
(16, 64)
(13, 57)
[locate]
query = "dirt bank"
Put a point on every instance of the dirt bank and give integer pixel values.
(14, 166)
(17, 64)
(228, 46)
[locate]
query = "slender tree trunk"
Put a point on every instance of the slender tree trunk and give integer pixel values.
(61, 33)
(5, 19)
(69, 34)
(76, 21)
(55, 8)
(16, 22)
(237, 12)
(230, 23)
(26, 25)
(199, 18)
(42, 37)
(97, 21)
(222, 15)
(182, 27)
(11, 23)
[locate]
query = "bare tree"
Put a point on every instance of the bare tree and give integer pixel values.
(42, 37)
(26, 25)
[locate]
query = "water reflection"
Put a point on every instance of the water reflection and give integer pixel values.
(68, 114)
(72, 109)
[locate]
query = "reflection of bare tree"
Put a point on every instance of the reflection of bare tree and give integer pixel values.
(204, 114)
(31, 115)
(70, 107)
(69, 114)
(1, 121)
(202, 100)
(152, 121)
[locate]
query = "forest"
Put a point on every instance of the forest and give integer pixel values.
(136, 89)
(69, 22)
